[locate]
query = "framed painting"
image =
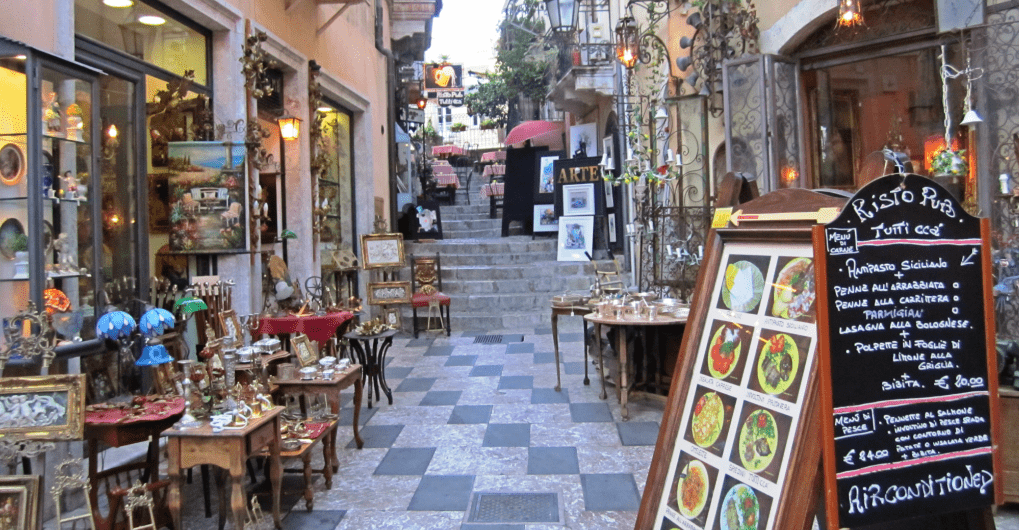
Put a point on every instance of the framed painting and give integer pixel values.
(304, 351)
(578, 199)
(545, 219)
(392, 317)
(208, 197)
(583, 140)
(45, 407)
(19, 501)
(544, 185)
(429, 221)
(612, 228)
(382, 250)
(233, 333)
(576, 238)
(381, 293)
(608, 155)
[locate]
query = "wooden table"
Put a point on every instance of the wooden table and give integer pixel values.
(331, 389)
(328, 441)
(319, 328)
(572, 310)
(229, 450)
(623, 388)
(371, 353)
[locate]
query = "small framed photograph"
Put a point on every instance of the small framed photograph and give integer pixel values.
(233, 333)
(382, 250)
(391, 316)
(610, 201)
(304, 351)
(544, 186)
(19, 497)
(44, 408)
(545, 219)
(608, 153)
(578, 199)
(382, 293)
(612, 228)
(576, 238)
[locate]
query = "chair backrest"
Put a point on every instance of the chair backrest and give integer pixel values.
(609, 275)
(426, 271)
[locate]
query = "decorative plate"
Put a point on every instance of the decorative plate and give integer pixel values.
(12, 164)
(740, 509)
(9, 232)
(744, 286)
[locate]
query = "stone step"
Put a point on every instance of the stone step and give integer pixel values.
(503, 245)
(545, 270)
(519, 286)
(494, 260)
(486, 233)
(461, 209)
(470, 224)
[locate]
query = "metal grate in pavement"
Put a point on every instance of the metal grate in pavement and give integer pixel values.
(488, 339)
(515, 508)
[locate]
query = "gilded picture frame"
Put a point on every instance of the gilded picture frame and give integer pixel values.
(382, 293)
(382, 250)
(20, 496)
(303, 350)
(233, 332)
(55, 405)
(392, 317)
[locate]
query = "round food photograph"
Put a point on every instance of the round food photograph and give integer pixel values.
(744, 285)
(708, 419)
(758, 440)
(692, 490)
(740, 509)
(794, 291)
(726, 346)
(778, 363)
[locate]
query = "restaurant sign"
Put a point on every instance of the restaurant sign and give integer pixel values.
(444, 76)
(450, 98)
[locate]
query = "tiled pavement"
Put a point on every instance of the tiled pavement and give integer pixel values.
(470, 418)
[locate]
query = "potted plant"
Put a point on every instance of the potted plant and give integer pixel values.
(19, 245)
(950, 170)
(458, 127)
(488, 123)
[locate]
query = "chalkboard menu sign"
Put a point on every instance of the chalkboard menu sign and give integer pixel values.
(907, 333)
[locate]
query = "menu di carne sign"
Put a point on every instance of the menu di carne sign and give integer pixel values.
(903, 300)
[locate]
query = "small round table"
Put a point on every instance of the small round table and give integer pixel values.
(371, 354)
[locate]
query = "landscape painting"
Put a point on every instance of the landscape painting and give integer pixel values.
(208, 199)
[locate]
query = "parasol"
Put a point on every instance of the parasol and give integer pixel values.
(155, 322)
(189, 305)
(115, 325)
(55, 301)
(538, 132)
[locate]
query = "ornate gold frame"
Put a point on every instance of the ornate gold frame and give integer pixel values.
(368, 261)
(373, 286)
(25, 488)
(72, 386)
(303, 350)
(231, 316)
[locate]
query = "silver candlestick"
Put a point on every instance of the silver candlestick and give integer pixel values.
(187, 421)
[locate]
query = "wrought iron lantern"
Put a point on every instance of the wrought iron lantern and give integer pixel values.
(563, 14)
(627, 41)
(850, 13)
(290, 127)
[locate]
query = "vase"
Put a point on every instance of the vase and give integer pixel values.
(21, 264)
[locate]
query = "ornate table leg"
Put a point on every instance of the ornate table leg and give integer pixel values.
(309, 498)
(381, 357)
(365, 360)
(329, 455)
(358, 389)
(275, 472)
(624, 374)
(587, 380)
(601, 359)
(555, 344)
(175, 480)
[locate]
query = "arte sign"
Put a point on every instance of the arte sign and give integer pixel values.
(911, 412)
(444, 76)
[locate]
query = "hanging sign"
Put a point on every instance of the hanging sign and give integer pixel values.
(451, 98)
(907, 330)
(444, 76)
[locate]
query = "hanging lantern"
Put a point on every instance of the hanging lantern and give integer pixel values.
(627, 45)
(850, 13)
(563, 14)
(290, 127)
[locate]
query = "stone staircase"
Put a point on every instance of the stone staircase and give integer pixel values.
(497, 282)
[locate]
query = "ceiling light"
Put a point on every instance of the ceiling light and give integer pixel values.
(119, 3)
(151, 20)
(324, 109)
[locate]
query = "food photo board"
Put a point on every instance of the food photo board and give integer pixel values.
(739, 446)
(908, 363)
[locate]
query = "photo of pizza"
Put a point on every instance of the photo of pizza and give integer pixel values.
(758, 440)
(708, 419)
(794, 292)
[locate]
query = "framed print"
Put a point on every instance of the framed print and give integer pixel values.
(382, 250)
(208, 197)
(429, 221)
(303, 350)
(380, 293)
(392, 317)
(584, 140)
(612, 228)
(578, 199)
(545, 219)
(544, 184)
(576, 238)
(608, 154)
(46, 407)
(19, 499)
(233, 333)
(610, 201)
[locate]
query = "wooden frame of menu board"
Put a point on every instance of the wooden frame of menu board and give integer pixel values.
(745, 423)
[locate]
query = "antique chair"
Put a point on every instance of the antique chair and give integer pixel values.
(191, 206)
(232, 215)
(609, 277)
(426, 283)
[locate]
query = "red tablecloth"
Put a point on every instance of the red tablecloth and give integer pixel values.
(448, 180)
(494, 169)
(318, 328)
(149, 411)
(493, 155)
(442, 170)
(492, 190)
(446, 150)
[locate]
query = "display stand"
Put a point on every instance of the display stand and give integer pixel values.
(740, 439)
(518, 192)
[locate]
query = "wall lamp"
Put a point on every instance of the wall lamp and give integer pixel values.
(290, 127)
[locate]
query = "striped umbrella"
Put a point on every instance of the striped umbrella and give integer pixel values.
(155, 322)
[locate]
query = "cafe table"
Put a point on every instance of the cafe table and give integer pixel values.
(568, 310)
(319, 328)
(641, 324)
(371, 354)
(228, 449)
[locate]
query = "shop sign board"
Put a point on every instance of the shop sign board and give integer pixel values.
(908, 366)
(444, 76)
(451, 98)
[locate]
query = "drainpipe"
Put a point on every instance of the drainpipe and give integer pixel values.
(390, 110)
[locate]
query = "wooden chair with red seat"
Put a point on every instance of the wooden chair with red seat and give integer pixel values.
(426, 284)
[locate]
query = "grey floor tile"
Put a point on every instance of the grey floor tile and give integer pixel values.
(638, 433)
(576, 369)
(315, 520)
(470, 414)
(552, 461)
(590, 412)
(415, 384)
(405, 461)
(442, 493)
(511, 338)
(516, 382)
(397, 372)
(438, 351)
(610, 492)
(378, 436)
(424, 341)
(486, 370)
(440, 397)
(549, 395)
(461, 360)
(571, 337)
(542, 331)
(507, 435)
(487, 526)
(347, 415)
(544, 357)
(523, 347)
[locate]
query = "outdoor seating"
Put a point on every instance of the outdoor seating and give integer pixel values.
(426, 279)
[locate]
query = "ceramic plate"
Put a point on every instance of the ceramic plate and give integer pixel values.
(9, 231)
(12, 164)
